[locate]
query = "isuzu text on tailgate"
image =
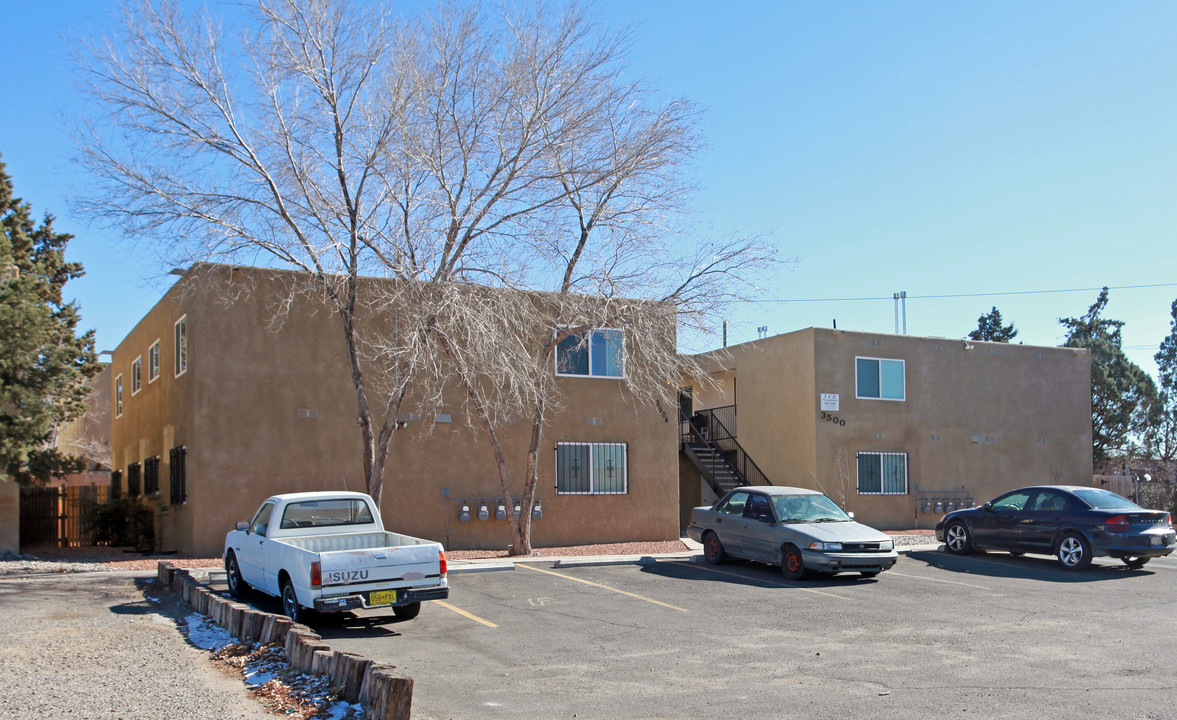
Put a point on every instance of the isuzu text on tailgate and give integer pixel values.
(329, 551)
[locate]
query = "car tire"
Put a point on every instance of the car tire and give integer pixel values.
(958, 539)
(1135, 563)
(792, 564)
(1073, 551)
(237, 585)
(713, 551)
(290, 607)
(407, 612)
(870, 573)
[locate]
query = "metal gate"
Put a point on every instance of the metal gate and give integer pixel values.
(59, 516)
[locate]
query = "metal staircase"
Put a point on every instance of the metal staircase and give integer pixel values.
(712, 448)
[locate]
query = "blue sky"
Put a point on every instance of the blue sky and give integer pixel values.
(993, 152)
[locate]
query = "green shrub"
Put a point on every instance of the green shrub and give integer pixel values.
(124, 522)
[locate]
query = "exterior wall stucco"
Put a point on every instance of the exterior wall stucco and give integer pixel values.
(268, 407)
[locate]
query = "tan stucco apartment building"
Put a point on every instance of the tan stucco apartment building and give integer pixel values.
(216, 405)
(900, 429)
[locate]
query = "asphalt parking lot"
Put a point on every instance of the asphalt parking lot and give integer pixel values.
(938, 636)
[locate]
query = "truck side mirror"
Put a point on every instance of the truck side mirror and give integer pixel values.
(242, 524)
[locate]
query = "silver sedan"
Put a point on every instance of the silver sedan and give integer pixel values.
(801, 530)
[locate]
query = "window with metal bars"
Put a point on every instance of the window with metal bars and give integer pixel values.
(151, 476)
(134, 473)
(592, 468)
(178, 474)
(881, 473)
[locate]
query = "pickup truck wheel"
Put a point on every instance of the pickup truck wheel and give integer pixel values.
(407, 612)
(237, 585)
(290, 605)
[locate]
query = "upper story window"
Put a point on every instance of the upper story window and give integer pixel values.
(137, 375)
(180, 347)
(593, 353)
(880, 379)
(153, 362)
(118, 396)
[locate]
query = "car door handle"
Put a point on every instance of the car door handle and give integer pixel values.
(718, 521)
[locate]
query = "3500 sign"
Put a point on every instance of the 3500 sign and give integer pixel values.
(840, 422)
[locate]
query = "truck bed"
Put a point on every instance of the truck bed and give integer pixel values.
(350, 541)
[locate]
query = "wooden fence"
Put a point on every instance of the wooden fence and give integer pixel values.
(59, 516)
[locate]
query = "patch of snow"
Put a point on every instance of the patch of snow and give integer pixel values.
(205, 634)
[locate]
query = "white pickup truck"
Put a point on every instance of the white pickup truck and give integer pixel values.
(329, 551)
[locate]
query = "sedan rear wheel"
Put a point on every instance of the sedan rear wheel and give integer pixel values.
(713, 551)
(958, 539)
(792, 565)
(1135, 563)
(1073, 551)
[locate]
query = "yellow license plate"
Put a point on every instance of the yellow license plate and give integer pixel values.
(382, 597)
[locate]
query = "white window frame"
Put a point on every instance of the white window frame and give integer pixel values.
(902, 363)
(589, 350)
(592, 480)
(180, 345)
(136, 376)
(882, 480)
(118, 395)
(153, 362)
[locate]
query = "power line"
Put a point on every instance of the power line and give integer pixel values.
(962, 295)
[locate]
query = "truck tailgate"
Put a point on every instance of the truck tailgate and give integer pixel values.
(385, 564)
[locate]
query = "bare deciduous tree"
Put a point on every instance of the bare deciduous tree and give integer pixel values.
(494, 169)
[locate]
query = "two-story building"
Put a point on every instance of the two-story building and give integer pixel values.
(219, 402)
(897, 429)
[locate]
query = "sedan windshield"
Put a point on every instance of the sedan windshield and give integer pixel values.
(807, 508)
(1105, 499)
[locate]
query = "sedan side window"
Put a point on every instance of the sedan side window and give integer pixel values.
(261, 521)
(758, 509)
(1013, 501)
(734, 505)
(1048, 501)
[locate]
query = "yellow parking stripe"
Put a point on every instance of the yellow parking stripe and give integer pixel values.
(791, 587)
(605, 587)
(950, 582)
(465, 614)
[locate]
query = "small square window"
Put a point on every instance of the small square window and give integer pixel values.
(596, 353)
(137, 375)
(180, 346)
(880, 379)
(153, 362)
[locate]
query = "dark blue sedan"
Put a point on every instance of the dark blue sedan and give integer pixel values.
(1072, 523)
